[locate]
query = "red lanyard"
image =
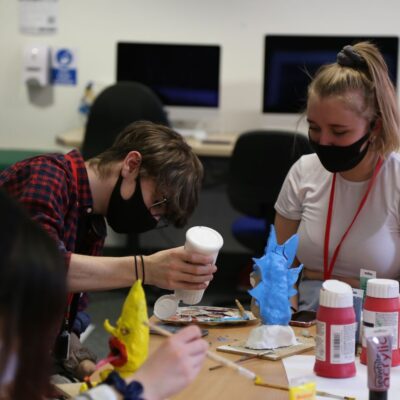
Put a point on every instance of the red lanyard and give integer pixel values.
(73, 167)
(328, 267)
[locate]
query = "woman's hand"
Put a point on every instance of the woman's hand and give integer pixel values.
(173, 365)
(179, 269)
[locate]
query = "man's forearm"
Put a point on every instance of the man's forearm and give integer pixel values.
(87, 273)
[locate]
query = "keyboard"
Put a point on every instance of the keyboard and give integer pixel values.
(199, 134)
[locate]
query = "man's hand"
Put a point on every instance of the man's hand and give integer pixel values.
(179, 269)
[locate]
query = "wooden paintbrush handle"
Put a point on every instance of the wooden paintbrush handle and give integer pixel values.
(213, 356)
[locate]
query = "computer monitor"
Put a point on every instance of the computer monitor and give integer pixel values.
(180, 74)
(290, 60)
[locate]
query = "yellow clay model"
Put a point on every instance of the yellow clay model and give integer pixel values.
(129, 343)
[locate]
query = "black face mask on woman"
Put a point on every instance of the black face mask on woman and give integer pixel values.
(340, 158)
(131, 215)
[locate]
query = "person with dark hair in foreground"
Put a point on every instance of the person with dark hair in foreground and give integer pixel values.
(33, 294)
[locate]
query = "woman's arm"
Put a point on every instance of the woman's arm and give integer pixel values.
(172, 367)
(285, 228)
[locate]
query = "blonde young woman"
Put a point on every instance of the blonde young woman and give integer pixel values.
(344, 200)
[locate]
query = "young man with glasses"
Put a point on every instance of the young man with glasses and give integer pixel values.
(148, 176)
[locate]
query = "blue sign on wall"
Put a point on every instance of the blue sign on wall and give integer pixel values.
(64, 67)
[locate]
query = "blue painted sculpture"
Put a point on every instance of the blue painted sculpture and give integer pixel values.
(277, 278)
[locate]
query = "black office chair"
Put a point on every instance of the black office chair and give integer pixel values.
(259, 164)
(116, 107)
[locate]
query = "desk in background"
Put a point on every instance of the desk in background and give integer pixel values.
(224, 383)
(9, 157)
(218, 145)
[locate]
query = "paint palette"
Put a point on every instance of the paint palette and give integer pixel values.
(208, 315)
(303, 344)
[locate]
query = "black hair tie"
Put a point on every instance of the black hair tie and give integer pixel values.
(136, 268)
(143, 276)
(348, 57)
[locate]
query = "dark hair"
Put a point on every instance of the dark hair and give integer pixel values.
(32, 299)
(167, 158)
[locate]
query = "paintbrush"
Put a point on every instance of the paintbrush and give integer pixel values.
(241, 309)
(213, 356)
(318, 392)
(244, 358)
(334, 396)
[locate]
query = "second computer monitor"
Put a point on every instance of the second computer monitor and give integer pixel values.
(291, 60)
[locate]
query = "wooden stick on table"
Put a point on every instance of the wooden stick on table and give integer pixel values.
(213, 356)
(242, 359)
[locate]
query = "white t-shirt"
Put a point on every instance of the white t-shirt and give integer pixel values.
(374, 239)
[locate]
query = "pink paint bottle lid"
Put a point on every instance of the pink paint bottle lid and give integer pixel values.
(336, 294)
(383, 288)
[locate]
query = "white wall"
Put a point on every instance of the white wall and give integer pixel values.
(31, 120)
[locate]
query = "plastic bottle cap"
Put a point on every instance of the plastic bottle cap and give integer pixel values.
(204, 240)
(166, 306)
(383, 288)
(336, 294)
(374, 395)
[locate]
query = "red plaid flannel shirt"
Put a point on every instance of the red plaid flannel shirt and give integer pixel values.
(46, 187)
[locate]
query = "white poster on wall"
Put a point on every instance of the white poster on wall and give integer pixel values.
(64, 66)
(38, 16)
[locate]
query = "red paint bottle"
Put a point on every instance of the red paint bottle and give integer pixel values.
(381, 309)
(336, 328)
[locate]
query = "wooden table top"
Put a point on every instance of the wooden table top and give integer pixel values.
(225, 383)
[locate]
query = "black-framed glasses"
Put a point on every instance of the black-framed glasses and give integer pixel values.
(159, 205)
(159, 208)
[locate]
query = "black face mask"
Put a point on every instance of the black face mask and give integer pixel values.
(340, 158)
(129, 216)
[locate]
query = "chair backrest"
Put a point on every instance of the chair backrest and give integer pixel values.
(116, 107)
(258, 166)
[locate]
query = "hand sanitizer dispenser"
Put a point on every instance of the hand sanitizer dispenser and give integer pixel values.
(36, 65)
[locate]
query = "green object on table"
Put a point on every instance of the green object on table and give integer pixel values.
(9, 157)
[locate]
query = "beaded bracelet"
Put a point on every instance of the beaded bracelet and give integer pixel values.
(143, 277)
(132, 391)
(136, 269)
